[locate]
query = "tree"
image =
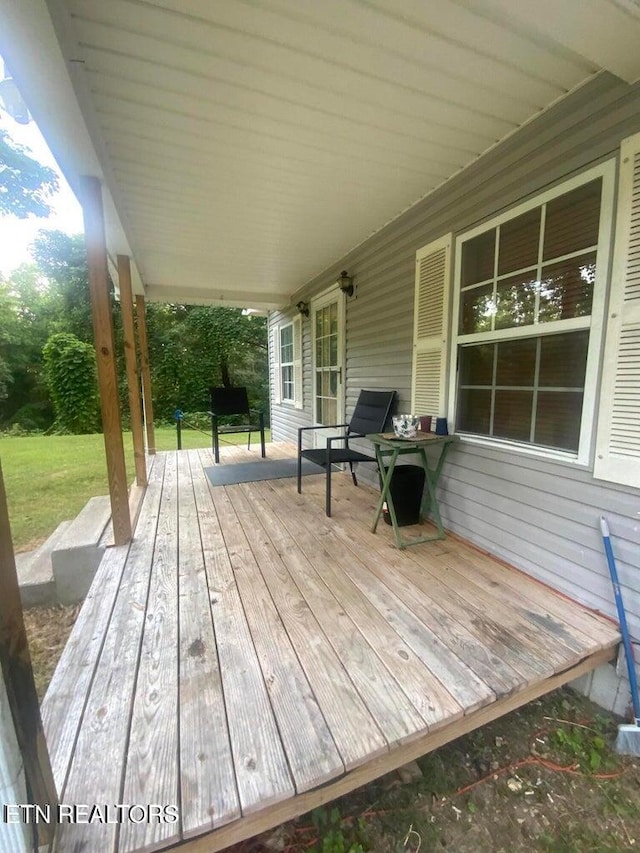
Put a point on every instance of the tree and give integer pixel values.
(194, 347)
(26, 327)
(190, 347)
(62, 260)
(10, 339)
(24, 183)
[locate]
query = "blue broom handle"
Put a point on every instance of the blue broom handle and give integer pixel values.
(624, 628)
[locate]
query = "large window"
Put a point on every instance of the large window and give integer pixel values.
(529, 304)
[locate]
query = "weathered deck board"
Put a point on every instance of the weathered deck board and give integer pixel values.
(311, 752)
(431, 699)
(530, 612)
(536, 597)
(260, 764)
(152, 754)
(395, 714)
(461, 682)
(100, 752)
(540, 602)
(208, 784)
(353, 728)
(466, 631)
(252, 659)
(377, 767)
(64, 704)
(541, 631)
(489, 658)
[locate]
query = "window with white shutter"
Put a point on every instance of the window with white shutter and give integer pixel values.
(431, 322)
(618, 442)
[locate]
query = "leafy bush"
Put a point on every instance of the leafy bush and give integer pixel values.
(197, 420)
(17, 430)
(33, 417)
(70, 368)
(331, 829)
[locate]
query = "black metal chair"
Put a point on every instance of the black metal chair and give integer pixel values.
(370, 415)
(227, 402)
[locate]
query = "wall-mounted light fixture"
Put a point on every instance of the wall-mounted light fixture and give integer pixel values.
(345, 283)
(303, 308)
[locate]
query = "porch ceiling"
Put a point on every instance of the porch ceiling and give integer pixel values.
(246, 145)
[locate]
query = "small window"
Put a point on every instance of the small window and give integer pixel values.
(527, 300)
(287, 372)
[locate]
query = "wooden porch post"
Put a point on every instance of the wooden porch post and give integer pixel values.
(18, 680)
(131, 359)
(105, 355)
(146, 375)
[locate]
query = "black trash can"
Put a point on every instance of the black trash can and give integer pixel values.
(407, 485)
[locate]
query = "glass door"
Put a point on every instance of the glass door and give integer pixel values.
(328, 348)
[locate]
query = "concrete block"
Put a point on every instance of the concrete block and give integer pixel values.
(410, 772)
(605, 686)
(623, 705)
(582, 684)
(621, 661)
(136, 496)
(80, 551)
(35, 571)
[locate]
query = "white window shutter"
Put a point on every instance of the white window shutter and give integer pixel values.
(430, 328)
(618, 442)
(297, 362)
(277, 378)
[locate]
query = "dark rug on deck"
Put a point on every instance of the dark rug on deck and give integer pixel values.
(265, 469)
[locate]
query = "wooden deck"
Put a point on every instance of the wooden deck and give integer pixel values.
(247, 659)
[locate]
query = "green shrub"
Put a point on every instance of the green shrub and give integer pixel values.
(197, 420)
(70, 368)
(16, 430)
(33, 417)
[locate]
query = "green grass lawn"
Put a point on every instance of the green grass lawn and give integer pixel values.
(50, 478)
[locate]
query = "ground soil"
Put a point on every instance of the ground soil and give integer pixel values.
(544, 778)
(48, 630)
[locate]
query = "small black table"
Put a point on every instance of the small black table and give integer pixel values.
(387, 446)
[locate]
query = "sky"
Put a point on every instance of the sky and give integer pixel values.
(17, 234)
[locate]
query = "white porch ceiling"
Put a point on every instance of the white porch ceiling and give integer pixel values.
(246, 145)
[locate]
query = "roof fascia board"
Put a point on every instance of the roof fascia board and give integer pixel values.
(597, 30)
(31, 47)
(215, 296)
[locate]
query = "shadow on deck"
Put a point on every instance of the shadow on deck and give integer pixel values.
(247, 659)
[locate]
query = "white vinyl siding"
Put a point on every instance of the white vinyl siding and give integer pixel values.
(430, 325)
(530, 291)
(618, 444)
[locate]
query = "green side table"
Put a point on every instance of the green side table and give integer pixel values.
(388, 447)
